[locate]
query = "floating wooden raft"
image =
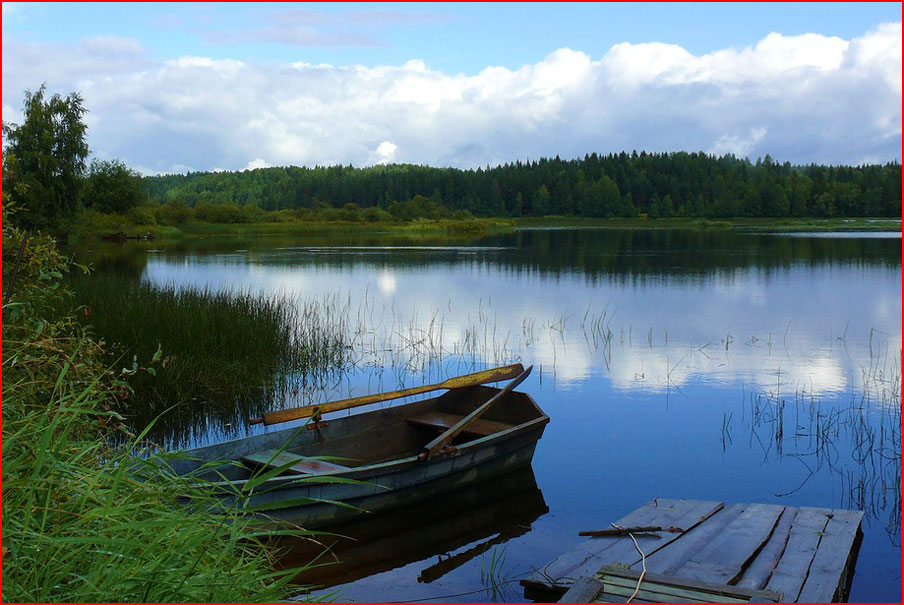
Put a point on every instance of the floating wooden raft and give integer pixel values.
(806, 554)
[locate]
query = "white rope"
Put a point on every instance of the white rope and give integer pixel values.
(643, 562)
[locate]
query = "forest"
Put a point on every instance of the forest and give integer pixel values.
(615, 185)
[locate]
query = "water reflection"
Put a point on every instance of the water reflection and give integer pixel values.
(438, 535)
(801, 324)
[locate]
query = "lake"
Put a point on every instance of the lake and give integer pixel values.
(722, 365)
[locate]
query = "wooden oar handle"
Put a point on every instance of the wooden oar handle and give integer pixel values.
(468, 380)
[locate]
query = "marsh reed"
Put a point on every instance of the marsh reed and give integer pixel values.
(227, 354)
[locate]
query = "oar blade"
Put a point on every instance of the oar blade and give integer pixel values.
(484, 377)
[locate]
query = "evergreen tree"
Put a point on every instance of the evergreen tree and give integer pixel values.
(542, 202)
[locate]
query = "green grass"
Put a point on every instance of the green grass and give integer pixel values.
(82, 520)
(197, 228)
(91, 224)
(206, 359)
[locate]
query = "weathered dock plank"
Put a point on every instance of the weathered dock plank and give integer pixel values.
(758, 572)
(791, 571)
(805, 555)
(664, 512)
(613, 584)
(585, 590)
(724, 558)
(836, 552)
(667, 561)
(624, 552)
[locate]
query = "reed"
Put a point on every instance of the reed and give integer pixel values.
(858, 441)
(204, 358)
(495, 578)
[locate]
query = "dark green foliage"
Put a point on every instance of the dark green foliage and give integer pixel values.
(541, 203)
(174, 212)
(112, 187)
(418, 207)
(616, 185)
(44, 161)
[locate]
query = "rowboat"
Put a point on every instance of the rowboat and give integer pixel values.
(332, 469)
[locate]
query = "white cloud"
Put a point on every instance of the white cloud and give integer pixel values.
(740, 146)
(257, 163)
(386, 152)
(807, 98)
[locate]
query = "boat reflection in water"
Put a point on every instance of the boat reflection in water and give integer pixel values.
(482, 516)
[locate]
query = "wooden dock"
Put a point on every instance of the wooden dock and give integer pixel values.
(803, 554)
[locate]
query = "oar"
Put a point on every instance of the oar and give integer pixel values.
(437, 444)
(468, 380)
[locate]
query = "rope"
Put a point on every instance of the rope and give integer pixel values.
(643, 562)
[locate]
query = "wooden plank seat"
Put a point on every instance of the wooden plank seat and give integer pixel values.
(303, 464)
(443, 421)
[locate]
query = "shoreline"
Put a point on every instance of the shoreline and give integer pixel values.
(485, 226)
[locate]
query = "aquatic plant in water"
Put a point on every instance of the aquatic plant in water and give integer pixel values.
(201, 359)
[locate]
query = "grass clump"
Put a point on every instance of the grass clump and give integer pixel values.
(206, 358)
(83, 521)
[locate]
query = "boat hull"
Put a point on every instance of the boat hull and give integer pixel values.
(403, 483)
(386, 471)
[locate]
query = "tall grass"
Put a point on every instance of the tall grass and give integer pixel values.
(83, 521)
(206, 358)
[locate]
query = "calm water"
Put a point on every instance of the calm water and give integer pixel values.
(663, 358)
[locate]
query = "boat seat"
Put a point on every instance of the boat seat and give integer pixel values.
(303, 464)
(443, 421)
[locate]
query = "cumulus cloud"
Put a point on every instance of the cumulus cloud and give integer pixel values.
(385, 152)
(806, 98)
(257, 163)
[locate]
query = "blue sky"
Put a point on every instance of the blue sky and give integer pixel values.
(464, 37)
(411, 66)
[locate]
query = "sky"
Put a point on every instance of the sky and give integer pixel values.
(231, 86)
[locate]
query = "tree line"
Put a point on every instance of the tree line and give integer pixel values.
(48, 178)
(615, 185)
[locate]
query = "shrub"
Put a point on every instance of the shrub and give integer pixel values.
(174, 212)
(375, 214)
(142, 215)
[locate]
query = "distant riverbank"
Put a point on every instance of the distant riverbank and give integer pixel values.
(746, 224)
(196, 229)
(98, 225)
